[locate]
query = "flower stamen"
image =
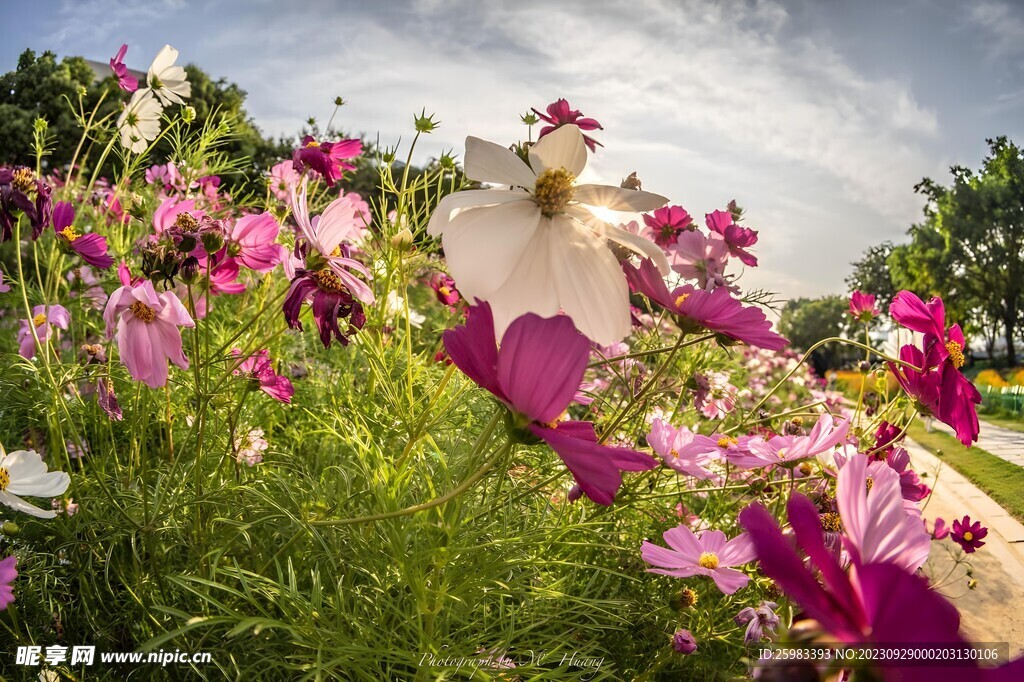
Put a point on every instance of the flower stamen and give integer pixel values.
(5, 479)
(727, 441)
(70, 233)
(142, 311)
(39, 319)
(708, 560)
(328, 281)
(554, 190)
(23, 180)
(956, 354)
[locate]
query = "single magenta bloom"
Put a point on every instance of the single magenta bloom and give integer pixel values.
(559, 113)
(707, 554)
(862, 306)
(736, 237)
(968, 535)
(326, 158)
(125, 80)
(536, 373)
(90, 246)
(8, 573)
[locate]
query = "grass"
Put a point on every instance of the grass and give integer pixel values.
(999, 479)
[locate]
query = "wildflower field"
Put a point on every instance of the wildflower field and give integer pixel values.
(483, 421)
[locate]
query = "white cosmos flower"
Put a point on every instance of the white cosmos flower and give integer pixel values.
(139, 123)
(168, 81)
(24, 473)
(538, 247)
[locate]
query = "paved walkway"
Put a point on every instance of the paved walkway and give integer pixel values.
(991, 612)
(1003, 443)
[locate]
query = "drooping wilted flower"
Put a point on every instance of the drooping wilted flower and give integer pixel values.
(757, 621)
(22, 192)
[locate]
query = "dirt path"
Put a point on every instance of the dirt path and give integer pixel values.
(992, 611)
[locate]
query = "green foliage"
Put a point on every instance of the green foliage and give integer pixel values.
(873, 275)
(806, 321)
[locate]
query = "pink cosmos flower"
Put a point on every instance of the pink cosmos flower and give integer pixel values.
(822, 438)
(968, 535)
(536, 373)
(252, 241)
(125, 80)
(147, 331)
(701, 258)
(283, 180)
(757, 621)
(259, 368)
(736, 237)
(682, 449)
(716, 310)
(877, 528)
(42, 319)
(326, 158)
(862, 307)
(683, 642)
(166, 214)
(559, 113)
(707, 554)
(250, 447)
(8, 573)
(90, 246)
(939, 531)
(666, 224)
(167, 175)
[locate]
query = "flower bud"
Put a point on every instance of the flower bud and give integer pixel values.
(10, 529)
(424, 123)
(189, 271)
(188, 114)
(213, 241)
(631, 182)
(402, 239)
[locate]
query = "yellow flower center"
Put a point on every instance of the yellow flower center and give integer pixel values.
(23, 180)
(313, 143)
(70, 233)
(142, 311)
(726, 441)
(39, 319)
(708, 560)
(870, 483)
(687, 597)
(443, 290)
(328, 281)
(968, 536)
(956, 353)
(554, 190)
(186, 222)
(5, 479)
(336, 253)
(830, 521)
(680, 298)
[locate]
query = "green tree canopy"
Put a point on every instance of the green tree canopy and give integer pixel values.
(805, 321)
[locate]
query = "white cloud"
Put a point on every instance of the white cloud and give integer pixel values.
(1004, 24)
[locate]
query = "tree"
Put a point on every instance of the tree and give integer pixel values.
(980, 217)
(872, 275)
(805, 321)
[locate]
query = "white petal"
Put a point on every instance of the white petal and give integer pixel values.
(618, 198)
(563, 148)
(591, 287)
(454, 204)
(484, 245)
(531, 286)
(640, 245)
(46, 485)
(490, 162)
(15, 502)
(164, 59)
(23, 464)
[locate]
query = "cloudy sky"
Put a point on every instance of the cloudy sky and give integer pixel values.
(818, 117)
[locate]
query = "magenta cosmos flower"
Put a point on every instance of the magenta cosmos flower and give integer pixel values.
(445, 289)
(701, 258)
(536, 373)
(252, 240)
(666, 224)
(8, 573)
(90, 246)
(326, 277)
(876, 602)
(559, 113)
(736, 237)
(937, 384)
(43, 319)
(283, 180)
(862, 307)
(147, 331)
(125, 80)
(968, 535)
(715, 311)
(708, 554)
(260, 369)
(326, 158)
(683, 642)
